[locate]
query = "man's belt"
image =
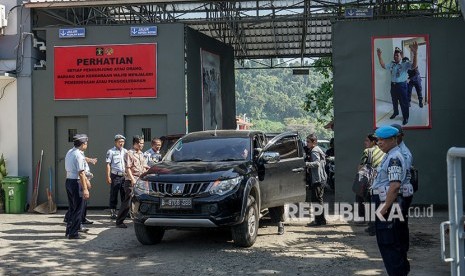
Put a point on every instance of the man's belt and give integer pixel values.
(376, 192)
(117, 173)
(396, 83)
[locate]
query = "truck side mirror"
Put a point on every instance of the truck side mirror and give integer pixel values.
(270, 157)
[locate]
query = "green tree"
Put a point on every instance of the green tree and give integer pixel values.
(320, 100)
(273, 99)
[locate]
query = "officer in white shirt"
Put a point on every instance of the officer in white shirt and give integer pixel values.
(153, 155)
(115, 172)
(77, 185)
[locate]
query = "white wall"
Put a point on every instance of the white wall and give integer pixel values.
(11, 16)
(9, 123)
(382, 77)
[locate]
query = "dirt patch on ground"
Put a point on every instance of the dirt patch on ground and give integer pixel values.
(35, 244)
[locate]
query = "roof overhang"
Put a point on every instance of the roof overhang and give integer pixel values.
(95, 3)
(265, 29)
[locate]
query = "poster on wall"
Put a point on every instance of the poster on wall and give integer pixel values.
(211, 91)
(105, 71)
(400, 81)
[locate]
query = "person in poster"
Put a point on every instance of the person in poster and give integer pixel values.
(399, 87)
(393, 83)
(211, 91)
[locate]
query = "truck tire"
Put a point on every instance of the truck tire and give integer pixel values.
(276, 214)
(245, 234)
(148, 235)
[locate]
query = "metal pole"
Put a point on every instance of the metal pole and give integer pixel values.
(454, 188)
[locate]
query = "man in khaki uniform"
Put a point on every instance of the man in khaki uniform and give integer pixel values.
(136, 164)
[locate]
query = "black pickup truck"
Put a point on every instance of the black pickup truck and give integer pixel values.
(219, 178)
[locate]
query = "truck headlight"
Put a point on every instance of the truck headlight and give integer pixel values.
(142, 187)
(221, 187)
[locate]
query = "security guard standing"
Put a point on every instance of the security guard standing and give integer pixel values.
(77, 185)
(385, 194)
(406, 188)
(115, 172)
(153, 155)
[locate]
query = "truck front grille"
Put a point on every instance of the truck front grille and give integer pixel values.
(180, 189)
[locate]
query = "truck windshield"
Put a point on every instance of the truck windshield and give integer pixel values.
(210, 149)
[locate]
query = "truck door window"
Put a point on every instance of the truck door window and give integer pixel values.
(286, 147)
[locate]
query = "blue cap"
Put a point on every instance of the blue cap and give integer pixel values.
(119, 136)
(81, 137)
(399, 127)
(386, 132)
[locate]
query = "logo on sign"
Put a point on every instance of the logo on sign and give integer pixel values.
(109, 51)
(99, 51)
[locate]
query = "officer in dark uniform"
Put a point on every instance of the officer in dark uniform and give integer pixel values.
(77, 185)
(414, 81)
(385, 194)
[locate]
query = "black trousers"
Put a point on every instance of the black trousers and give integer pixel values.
(399, 96)
(83, 211)
(125, 204)
(391, 239)
(317, 194)
(407, 201)
(75, 203)
(361, 205)
(115, 188)
(415, 82)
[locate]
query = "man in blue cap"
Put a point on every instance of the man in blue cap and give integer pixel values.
(385, 194)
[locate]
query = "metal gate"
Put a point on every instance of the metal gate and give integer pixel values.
(456, 219)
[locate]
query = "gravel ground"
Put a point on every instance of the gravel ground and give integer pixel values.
(33, 244)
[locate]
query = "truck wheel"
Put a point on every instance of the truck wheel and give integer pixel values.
(276, 214)
(245, 234)
(148, 235)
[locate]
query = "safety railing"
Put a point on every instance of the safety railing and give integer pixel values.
(456, 219)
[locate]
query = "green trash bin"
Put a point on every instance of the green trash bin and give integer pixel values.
(15, 188)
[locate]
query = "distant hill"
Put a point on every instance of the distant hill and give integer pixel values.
(273, 99)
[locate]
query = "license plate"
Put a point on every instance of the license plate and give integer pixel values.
(176, 203)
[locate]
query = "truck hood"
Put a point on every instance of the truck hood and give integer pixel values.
(197, 171)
